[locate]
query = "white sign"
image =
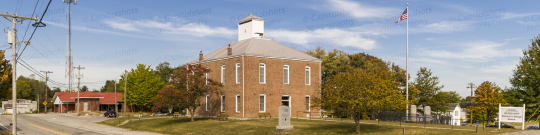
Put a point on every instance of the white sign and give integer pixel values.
(511, 114)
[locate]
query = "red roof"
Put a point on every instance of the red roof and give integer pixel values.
(104, 97)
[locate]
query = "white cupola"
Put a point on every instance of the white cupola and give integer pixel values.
(249, 27)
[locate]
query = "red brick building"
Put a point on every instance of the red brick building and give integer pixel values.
(259, 75)
(89, 101)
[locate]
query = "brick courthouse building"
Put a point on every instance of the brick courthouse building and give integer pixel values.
(259, 75)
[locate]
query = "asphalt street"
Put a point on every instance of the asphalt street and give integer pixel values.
(30, 125)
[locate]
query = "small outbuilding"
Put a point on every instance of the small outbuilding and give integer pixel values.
(23, 106)
(89, 101)
(454, 110)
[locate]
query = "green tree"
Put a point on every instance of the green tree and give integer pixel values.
(333, 62)
(448, 97)
(108, 87)
(427, 86)
(84, 88)
(24, 90)
(487, 98)
(366, 61)
(142, 86)
(164, 70)
(525, 78)
(191, 85)
(360, 90)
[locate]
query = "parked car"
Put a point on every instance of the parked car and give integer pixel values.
(506, 126)
(503, 125)
(532, 127)
(159, 114)
(464, 123)
(110, 113)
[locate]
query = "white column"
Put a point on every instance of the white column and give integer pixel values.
(523, 124)
(499, 119)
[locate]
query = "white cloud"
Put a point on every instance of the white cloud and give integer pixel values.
(476, 50)
(140, 28)
(359, 10)
(339, 37)
(498, 69)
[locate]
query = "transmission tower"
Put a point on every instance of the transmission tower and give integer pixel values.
(69, 57)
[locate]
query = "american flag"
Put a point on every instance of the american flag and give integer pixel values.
(403, 16)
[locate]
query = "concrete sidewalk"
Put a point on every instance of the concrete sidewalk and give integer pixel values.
(87, 123)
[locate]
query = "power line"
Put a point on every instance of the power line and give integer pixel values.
(46, 35)
(37, 25)
(31, 69)
(28, 27)
(20, 6)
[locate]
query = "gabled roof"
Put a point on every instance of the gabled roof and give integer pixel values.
(257, 47)
(452, 106)
(249, 18)
(104, 97)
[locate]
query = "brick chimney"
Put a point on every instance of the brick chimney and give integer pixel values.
(229, 50)
(200, 56)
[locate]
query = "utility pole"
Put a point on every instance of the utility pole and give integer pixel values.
(46, 80)
(125, 92)
(471, 85)
(12, 39)
(115, 101)
(78, 87)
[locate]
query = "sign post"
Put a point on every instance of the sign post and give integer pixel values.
(512, 114)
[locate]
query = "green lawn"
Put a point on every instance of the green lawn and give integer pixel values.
(213, 126)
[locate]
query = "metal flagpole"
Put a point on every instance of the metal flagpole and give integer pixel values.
(407, 59)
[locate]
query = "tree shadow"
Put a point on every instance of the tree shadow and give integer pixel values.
(180, 121)
(346, 128)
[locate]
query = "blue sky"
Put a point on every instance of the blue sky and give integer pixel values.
(460, 41)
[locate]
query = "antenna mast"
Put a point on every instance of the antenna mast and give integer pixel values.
(69, 57)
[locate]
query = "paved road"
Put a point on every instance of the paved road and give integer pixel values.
(62, 124)
(29, 125)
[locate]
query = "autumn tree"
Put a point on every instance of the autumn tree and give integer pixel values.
(168, 98)
(337, 61)
(142, 85)
(5, 76)
(359, 90)
(192, 84)
(487, 98)
(428, 87)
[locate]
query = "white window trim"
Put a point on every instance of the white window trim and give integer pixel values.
(309, 103)
(264, 74)
(288, 73)
(237, 108)
(207, 76)
(264, 105)
(290, 102)
(222, 104)
(309, 75)
(207, 106)
(222, 74)
(237, 73)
